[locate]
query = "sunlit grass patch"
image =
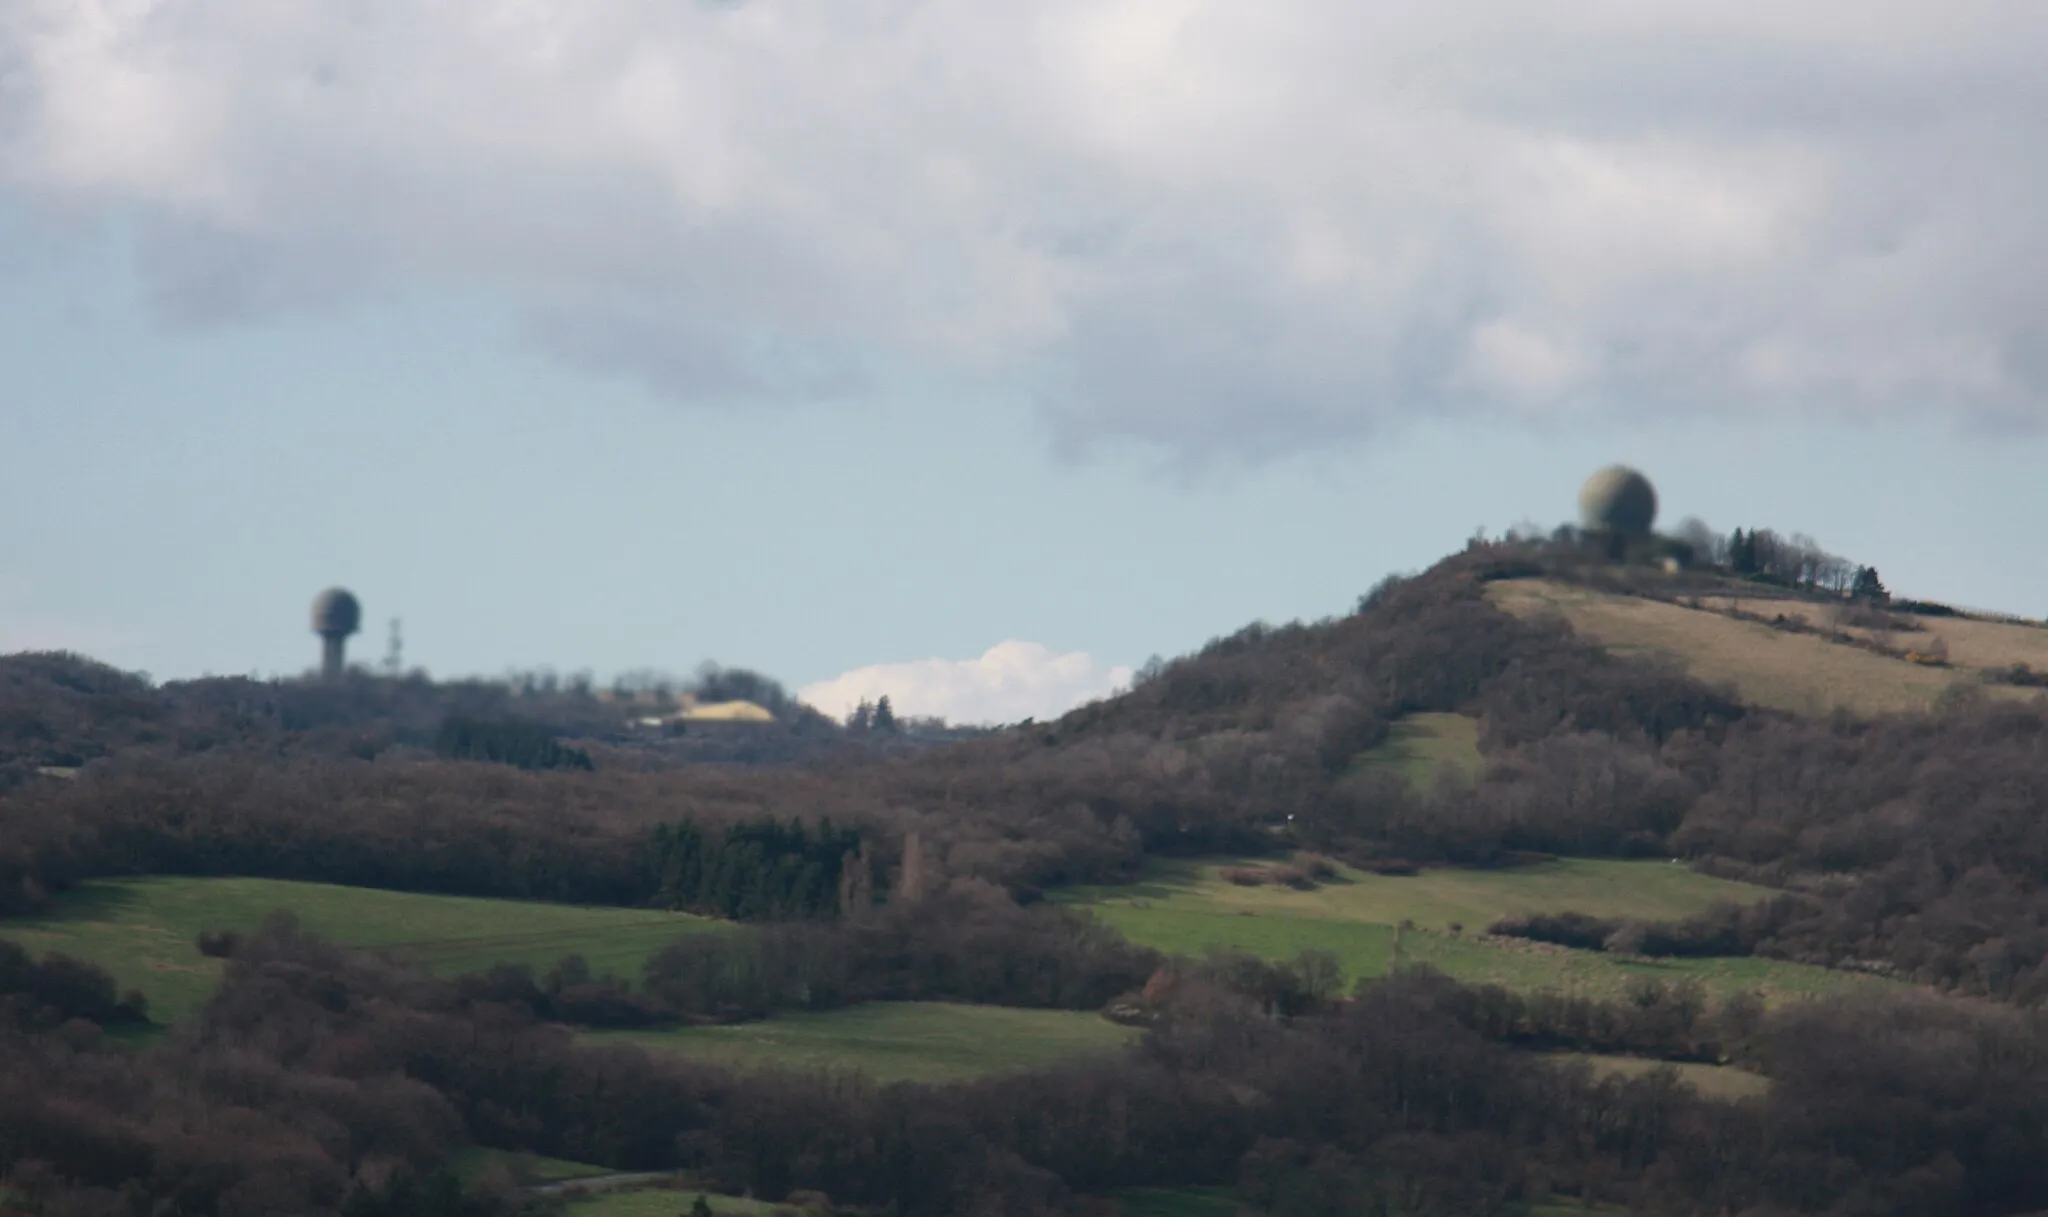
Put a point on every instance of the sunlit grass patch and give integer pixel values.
(1187, 908)
(144, 931)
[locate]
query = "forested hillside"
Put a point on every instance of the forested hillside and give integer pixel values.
(1910, 845)
(1910, 841)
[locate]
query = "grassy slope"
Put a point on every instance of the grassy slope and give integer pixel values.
(1802, 673)
(1187, 908)
(1176, 1201)
(1971, 643)
(1714, 1081)
(895, 1041)
(472, 1163)
(661, 1202)
(143, 930)
(1421, 744)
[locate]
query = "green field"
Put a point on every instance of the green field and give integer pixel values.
(1435, 899)
(895, 1041)
(1713, 1081)
(1176, 1201)
(1420, 745)
(143, 931)
(1187, 908)
(474, 1163)
(660, 1202)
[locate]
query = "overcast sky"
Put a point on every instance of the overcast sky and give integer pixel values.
(975, 352)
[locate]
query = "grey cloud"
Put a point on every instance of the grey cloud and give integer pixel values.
(1216, 228)
(696, 362)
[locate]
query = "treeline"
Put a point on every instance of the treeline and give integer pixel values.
(42, 995)
(968, 942)
(321, 1082)
(510, 741)
(62, 710)
(1724, 929)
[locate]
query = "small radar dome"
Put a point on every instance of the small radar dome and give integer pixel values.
(336, 613)
(1618, 500)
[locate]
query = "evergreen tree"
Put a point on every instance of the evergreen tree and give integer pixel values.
(1868, 586)
(885, 715)
(1742, 552)
(700, 1207)
(759, 870)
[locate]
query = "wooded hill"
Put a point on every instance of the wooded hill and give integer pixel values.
(1910, 843)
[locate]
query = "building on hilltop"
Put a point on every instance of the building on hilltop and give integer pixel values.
(690, 712)
(1617, 507)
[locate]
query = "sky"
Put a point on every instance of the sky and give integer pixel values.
(975, 353)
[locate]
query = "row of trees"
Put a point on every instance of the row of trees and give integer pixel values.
(41, 995)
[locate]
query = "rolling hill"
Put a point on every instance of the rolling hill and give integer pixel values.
(1717, 796)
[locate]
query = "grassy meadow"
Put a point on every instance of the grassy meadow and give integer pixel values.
(524, 1169)
(1176, 1201)
(894, 1041)
(143, 931)
(1712, 1081)
(660, 1202)
(1420, 745)
(1801, 673)
(1970, 643)
(1187, 908)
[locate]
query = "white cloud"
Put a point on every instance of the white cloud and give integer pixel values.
(1007, 683)
(1217, 226)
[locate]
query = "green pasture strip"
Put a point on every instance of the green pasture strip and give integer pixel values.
(144, 931)
(661, 1202)
(894, 1041)
(1437, 898)
(1188, 908)
(1419, 745)
(472, 1164)
(1176, 1201)
(1713, 1081)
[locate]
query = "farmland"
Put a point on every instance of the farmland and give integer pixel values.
(1187, 908)
(1713, 1081)
(144, 931)
(661, 1202)
(1421, 745)
(895, 1041)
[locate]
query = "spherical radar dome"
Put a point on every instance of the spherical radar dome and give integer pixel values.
(1620, 500)
(335, 612)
